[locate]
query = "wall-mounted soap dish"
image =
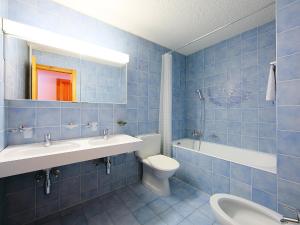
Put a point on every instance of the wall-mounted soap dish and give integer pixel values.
(26, 131)
(71, 125)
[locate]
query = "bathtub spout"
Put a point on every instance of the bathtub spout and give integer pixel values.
(197, 134)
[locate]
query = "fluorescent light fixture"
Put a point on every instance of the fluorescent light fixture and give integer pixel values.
(40, 37)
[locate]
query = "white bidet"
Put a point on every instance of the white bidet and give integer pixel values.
(233, 210)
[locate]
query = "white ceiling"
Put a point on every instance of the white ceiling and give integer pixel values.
(172, 23)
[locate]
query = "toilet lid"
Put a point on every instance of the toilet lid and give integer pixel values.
(162, 162)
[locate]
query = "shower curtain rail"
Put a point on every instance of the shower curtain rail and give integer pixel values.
(220, 28)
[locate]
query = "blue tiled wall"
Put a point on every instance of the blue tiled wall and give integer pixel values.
(288, 105)
(233, 77)
(145, 58)
(214, 175)
(281, 191)
(236, 111)
(54, 117)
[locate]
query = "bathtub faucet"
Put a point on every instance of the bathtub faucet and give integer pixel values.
(197, 133)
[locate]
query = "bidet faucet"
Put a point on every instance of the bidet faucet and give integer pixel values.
(47, 141)
(105, 133)
(286, 219)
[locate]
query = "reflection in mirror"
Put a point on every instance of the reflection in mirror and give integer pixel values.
(52, 83)
(103, 83)
(54, 76)
(40, 74)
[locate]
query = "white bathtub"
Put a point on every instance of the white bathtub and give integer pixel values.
(255, 159)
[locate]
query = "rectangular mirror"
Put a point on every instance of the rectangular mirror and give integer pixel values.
(39, 73)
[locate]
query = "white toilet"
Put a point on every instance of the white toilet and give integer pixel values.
(157, 168)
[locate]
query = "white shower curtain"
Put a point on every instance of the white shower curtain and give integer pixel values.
(165, 110)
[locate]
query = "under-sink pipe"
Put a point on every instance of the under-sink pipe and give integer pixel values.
(47, 182)
(108, 165)
(46, 174)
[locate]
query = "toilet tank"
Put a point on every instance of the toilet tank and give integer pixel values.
(150, 146)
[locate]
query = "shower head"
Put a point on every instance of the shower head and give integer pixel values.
(199, 92)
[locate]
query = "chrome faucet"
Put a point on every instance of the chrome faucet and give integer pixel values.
(197, 133)
(286, 219)
(47, 141)
(105, 133)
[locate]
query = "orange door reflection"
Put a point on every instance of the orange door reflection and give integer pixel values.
(52, 83)
(63, 90)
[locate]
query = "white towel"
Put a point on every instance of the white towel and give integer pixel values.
(271, 88)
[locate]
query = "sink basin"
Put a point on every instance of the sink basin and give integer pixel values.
(40, 149)
(19, 159)
(112, 139)
(233, 210)
(98, 141)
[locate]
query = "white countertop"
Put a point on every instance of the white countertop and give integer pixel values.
(17, 159)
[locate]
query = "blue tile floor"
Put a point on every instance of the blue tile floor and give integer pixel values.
(136, 205)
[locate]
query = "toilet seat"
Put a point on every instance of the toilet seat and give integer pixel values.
(162, 163)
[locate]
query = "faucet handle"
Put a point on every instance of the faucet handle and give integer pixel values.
(197, 133)
(194, 133)
(55, 172)
(105, 131)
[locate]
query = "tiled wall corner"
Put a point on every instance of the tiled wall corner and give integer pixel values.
(288, 105)
(178, 79)
(233, 77)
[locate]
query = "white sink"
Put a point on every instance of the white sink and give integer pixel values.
(115, 139)
(98, 141)
(233, 210)
(22, 151)
(19, 159)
